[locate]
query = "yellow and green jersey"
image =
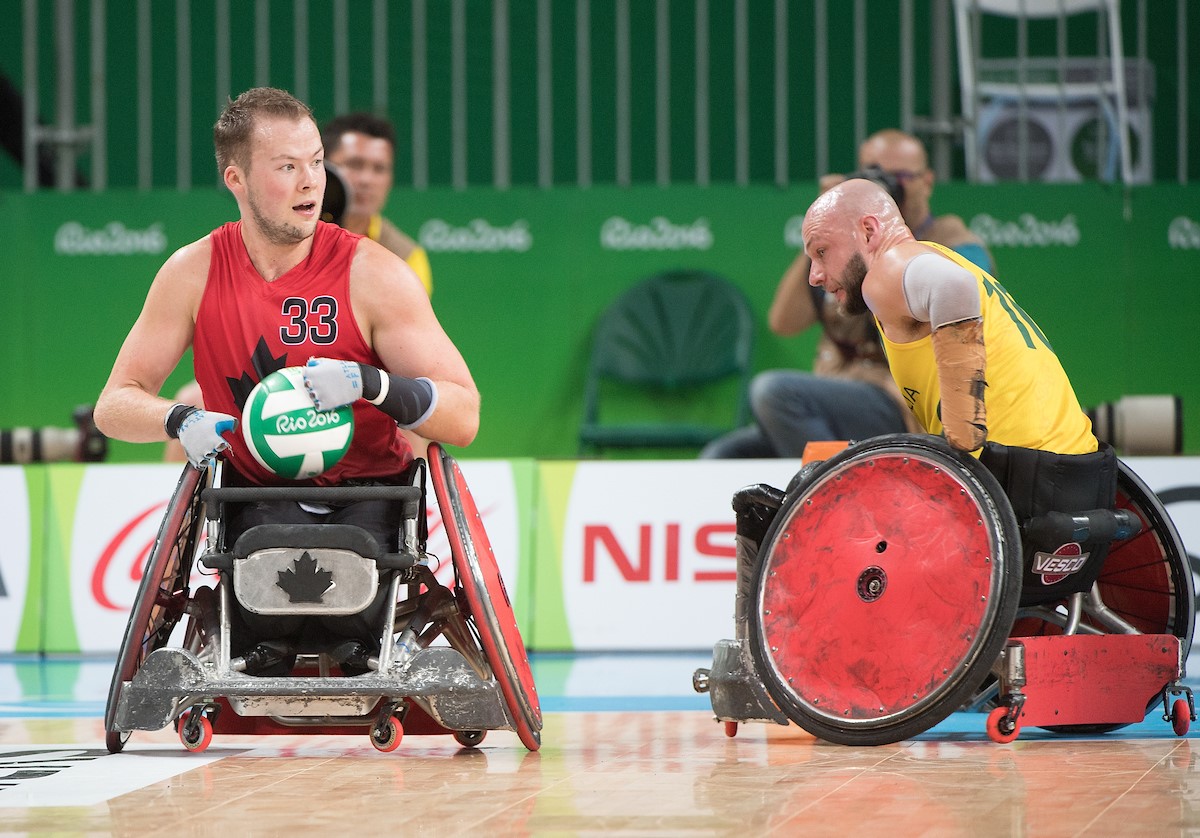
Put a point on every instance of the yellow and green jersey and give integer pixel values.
(1030, 402)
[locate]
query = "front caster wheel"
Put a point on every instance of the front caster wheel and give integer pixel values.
(386, 736)
(195, 731)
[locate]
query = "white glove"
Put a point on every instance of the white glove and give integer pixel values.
(201, 435)
(332, 383)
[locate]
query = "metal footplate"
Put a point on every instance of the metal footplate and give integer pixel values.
(440, 677)
(736, 691)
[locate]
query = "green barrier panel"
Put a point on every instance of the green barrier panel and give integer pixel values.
(525, 484)
(550, 628)
(59, 633)
(520, 277)
(30, 633)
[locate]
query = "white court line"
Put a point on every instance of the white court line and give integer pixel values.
(48, 775)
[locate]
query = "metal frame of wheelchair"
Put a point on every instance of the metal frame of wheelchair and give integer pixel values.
(448, 661)
(885, 595)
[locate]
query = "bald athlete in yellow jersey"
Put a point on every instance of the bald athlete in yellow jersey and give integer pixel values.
(970, 363)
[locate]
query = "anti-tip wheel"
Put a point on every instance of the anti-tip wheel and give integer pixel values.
(1000, 728)
(469, 738)
(1181, 717)
(115, 740)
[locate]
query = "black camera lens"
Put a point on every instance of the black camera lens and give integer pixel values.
(887, 180)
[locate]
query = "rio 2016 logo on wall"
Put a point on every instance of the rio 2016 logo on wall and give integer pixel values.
(659, 234)
(1026, 231)
(1183, 234)
(477, 236)
(113, 239)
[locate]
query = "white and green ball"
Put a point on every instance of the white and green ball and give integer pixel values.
(287, 435)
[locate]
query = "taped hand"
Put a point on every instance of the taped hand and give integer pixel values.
(202, 435)
(332, 383)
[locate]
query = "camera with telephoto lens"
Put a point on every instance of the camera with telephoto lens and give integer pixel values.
(887, 180)
(1140, 425)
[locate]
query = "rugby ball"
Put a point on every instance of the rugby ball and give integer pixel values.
(287, 435)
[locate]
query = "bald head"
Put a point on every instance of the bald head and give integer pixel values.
(841, 207)
(844, 231)
(892, 149)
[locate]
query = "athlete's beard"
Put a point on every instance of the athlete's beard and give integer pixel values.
(276, 232)
(852, 283)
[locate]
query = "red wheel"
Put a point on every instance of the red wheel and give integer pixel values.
(162, 594)
(1181, 717)
(386, 737)
(731, 729)
(1000, 728)
(886, 588)
(491, 612)
(197, 734)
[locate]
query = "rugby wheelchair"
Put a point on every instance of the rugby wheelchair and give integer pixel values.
(426, 658)
(896, 582)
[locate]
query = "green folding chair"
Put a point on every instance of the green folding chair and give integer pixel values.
(665, 357)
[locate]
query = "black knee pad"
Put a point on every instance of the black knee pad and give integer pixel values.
(1037, 482)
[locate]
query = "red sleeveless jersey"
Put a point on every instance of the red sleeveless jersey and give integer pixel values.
(247, 328)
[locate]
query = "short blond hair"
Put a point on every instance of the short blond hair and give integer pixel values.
(232, 131)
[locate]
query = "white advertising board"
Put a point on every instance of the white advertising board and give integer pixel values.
(648, 551)
(15, 556)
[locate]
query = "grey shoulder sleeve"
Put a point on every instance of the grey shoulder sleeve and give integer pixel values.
(940, 292)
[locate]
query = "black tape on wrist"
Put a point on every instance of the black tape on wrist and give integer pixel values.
(407, 400)
(175, 418)
(370, 381)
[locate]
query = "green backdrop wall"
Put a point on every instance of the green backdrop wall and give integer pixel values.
(520, 276)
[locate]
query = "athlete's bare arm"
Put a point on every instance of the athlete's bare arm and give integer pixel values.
(792, 309)
(396, 318)
(129, 407)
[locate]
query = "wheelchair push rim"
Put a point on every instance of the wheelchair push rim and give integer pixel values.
(162, 593)
(478, 577)
(886, 589)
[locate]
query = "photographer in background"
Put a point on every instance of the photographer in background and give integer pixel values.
(850, 393)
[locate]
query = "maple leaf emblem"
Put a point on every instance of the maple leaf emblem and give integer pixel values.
(264, 363)
(304, 581)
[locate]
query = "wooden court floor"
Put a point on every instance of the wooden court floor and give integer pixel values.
(599, 772)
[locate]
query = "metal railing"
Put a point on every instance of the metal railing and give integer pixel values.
(396, 57)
